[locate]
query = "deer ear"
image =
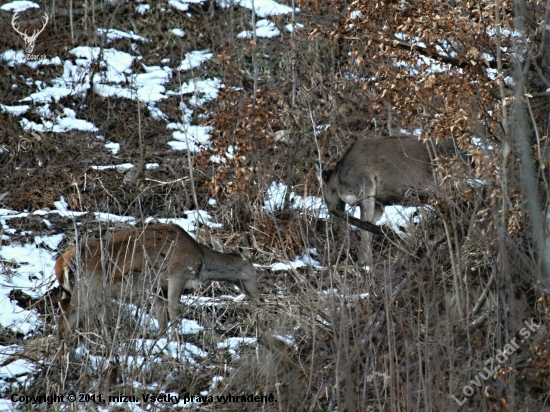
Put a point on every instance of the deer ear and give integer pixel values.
(245, 247)
(218, 245)
(326, 174)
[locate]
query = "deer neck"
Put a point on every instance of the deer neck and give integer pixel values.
(220, 266)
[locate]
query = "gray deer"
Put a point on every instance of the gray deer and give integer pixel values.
(158, 262)
(377, 172)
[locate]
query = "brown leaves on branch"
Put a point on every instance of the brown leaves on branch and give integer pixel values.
(241, 135)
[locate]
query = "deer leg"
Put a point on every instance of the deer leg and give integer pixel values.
(75, 309)
(365, 248)
(161, 310)
(153, 279)
(175, 290)
(368, 213)
(67, 318)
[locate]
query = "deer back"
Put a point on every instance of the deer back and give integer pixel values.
(166, 249)
(390, 165)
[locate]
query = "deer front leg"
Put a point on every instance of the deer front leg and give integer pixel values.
(364, 253)
(175, 290)
(161, 310)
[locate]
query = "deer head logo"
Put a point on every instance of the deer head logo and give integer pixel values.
(29, 40)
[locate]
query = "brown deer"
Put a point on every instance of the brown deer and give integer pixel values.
(378, 172)
(133, 265)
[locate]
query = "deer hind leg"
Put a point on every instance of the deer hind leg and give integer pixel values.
(67, 318)
(75, 309)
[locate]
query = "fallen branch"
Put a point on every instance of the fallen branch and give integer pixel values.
(361, 224)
